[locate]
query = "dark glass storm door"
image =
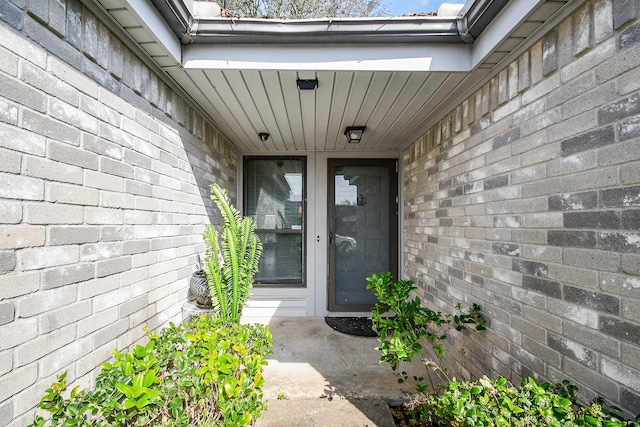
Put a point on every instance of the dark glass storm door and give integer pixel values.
(363, 228)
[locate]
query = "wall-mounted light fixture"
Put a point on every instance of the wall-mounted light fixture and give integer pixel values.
(307, 84)
(263, 136)
(354, 133)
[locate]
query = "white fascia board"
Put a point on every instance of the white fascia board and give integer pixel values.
(511, 15)
(379, 57)
(152, 19)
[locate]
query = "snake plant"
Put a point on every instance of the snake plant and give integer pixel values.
(231, 259)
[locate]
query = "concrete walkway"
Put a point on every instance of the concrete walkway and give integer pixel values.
(318, 377)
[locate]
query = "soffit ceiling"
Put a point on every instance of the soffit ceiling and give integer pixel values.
(397, 93)
(392, 105)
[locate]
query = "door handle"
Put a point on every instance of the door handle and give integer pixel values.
(331, 237)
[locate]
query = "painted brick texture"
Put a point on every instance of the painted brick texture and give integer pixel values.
(546, 233)
(103, 198)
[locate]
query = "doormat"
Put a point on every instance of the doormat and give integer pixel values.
(359, 326)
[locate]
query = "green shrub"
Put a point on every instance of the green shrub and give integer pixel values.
(403, 323)
(497, 403)
(199, 373)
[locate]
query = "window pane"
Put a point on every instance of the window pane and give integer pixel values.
(274, 193)
(274, 198)
(281, 261)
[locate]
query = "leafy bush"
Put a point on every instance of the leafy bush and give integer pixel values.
(401, 333)
(403, 323)
(497, 403)
(199, 373)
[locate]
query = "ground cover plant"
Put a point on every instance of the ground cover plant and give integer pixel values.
(498, 403)
(200, 373)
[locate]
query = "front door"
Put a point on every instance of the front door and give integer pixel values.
(363, 228)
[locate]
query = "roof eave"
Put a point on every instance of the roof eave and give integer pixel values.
(248, 31)
(476, 15)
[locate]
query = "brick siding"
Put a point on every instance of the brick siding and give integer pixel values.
(525, 199)
(103, 198)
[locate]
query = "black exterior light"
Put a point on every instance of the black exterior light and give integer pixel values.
(263, 136)
(307, 84)
(354, 133)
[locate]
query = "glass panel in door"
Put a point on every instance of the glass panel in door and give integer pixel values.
(362, 228)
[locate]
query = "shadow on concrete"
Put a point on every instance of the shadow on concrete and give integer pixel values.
(315, 364)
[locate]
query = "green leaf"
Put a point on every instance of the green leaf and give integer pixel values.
(139, 351)
(142, 401)
(138, 380)
(126, 390)
(564, 402)
(508, 403)
(593, 421)
(129, 403)
(245, 419)
(149, 378)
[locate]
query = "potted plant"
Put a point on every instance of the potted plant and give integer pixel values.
(231, 259)
(199, 287)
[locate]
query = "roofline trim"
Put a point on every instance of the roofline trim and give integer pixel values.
(473, 19)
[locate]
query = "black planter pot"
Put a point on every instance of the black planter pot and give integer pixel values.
(199, 288)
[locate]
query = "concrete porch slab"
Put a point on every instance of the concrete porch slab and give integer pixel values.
(327, 377)
(327, 413)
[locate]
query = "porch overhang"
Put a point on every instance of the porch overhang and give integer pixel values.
(396, 75)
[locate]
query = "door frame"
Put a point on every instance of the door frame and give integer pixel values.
(312, 300)
(393, 206)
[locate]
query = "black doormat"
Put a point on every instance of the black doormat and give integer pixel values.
(359, 326)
